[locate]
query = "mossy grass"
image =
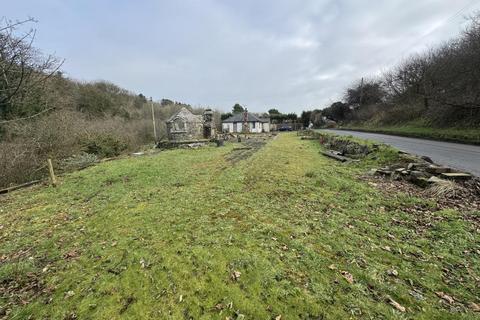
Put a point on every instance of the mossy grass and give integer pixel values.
(159, 237)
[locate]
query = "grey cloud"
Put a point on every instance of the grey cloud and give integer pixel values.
(288, 54)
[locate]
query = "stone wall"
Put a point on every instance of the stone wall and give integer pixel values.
(185, 126)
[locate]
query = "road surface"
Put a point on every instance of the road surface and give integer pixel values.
(456, 155)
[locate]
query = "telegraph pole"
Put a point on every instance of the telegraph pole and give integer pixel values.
(153, 120)
(361, 92)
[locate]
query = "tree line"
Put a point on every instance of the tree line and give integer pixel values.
(44, 114)
(439, 87)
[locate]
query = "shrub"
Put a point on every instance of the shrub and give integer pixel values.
(104, 145)
(78, 161)
(18, 164)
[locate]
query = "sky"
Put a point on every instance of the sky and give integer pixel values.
(292, 55)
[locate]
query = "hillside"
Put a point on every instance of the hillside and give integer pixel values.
(431, 94)
(284, 233)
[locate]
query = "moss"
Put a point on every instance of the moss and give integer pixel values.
(159, 236)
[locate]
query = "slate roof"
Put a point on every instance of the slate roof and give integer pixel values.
(238, 117)
(185, 114)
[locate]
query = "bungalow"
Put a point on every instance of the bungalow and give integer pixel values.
(255, 124)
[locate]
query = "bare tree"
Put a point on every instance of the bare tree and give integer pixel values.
(364, 92)
(24, 71)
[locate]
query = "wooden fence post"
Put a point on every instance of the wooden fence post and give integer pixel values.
(52, 174)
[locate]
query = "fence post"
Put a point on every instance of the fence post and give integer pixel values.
(52, 174)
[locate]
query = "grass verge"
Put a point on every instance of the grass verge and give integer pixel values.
(462, 135)
(186, 234)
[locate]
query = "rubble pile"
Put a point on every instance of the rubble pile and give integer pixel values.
(188, 144)
(422, 173)
(194, 145)
(449, 186)
(343, 146)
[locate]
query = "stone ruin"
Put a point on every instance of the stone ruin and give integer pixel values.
(187, 126)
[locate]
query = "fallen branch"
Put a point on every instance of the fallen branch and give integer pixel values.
(23, 185)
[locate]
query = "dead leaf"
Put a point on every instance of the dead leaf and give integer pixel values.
(475, 307)
(348, 276)
(279, 317)
(180, 299)
(71, 254)
(387, 248)
(235, 275)
(445, 297)
(332, 267)
(392, 272)
(396, 305)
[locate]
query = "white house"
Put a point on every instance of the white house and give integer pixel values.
(255, 124)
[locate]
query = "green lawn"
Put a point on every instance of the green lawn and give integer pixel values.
(463, 135)
(185, 234)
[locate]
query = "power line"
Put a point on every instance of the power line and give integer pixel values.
(446, 21)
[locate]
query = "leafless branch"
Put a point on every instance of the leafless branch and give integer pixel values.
(29, 117)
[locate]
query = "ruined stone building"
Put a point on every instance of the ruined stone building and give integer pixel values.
(184, 125)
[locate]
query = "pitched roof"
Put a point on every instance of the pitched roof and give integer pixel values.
(184, 113)
(238, 117)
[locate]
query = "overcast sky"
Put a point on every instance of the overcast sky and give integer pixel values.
(288, 54)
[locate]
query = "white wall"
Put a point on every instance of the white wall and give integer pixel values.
(255, 127)
(227, 127)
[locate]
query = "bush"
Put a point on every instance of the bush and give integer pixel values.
(78, 161)
(26, 145)
(393, 115)
(104, 145)
(18, 164)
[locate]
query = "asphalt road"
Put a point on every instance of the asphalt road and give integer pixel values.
(455, 155)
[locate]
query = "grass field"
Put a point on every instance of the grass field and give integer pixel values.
(462, 135)
(187, 234)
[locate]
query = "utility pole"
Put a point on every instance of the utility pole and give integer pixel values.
(361, 92)
(153, 120)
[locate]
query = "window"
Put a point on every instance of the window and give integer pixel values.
(178, 125)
